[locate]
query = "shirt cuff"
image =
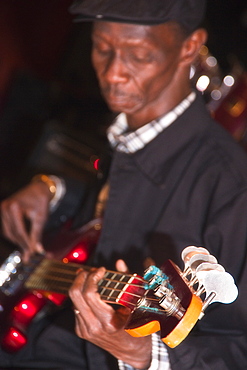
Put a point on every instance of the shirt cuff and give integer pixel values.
(160, 358)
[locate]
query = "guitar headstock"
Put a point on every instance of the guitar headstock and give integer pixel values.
(175, 300)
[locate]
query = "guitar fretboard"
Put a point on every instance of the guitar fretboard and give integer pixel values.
(115, 287)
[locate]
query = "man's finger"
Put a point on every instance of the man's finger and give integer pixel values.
(121, 266)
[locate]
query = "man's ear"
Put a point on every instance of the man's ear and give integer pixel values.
(192, 45)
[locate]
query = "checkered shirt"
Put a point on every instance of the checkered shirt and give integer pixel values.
(160, 359)
(130, 142)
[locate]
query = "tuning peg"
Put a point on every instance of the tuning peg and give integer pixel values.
(195, 261)
(207, 266)
(198, 259)
(190, 251)
(219, 286)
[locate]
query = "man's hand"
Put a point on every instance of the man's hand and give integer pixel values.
(24, 215)
(99, 323)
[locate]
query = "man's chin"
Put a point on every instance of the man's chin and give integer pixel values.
(121, 105)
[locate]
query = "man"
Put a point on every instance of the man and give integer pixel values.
(176, 179)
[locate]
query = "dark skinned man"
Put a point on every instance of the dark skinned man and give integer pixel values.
(176, 179)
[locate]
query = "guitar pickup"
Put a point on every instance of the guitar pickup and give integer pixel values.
(13, 272)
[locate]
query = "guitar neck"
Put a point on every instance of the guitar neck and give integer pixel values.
(114, 287)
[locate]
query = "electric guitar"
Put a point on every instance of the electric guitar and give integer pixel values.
(166, 299)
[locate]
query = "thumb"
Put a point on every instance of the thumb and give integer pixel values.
(121, 266)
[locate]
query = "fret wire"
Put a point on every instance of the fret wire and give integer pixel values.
(150, 299)
(56, 268)
(107, 286)
(126, 283)
(41, 280)
(40, 269)
(54, 282)
(39, 273)
(60, 266)
(62, 290)
(127, 275)
(132, 294)
(37, 281)
(114, 291)
(85, 267)
(121, 291)
(53, 278)
(49, 283)
(49, 286)
(60, 280)
(55, 272)
(75, 267)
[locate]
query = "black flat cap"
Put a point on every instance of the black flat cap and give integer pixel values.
(189, 13)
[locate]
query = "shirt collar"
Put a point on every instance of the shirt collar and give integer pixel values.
(131, 142)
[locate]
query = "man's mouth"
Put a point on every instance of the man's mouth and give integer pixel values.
(115, 100)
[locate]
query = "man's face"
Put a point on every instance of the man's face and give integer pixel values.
(136, 67)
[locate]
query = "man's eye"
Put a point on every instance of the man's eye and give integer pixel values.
(101, 49)
(142, 58)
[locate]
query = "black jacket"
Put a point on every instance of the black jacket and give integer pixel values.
(186, 187)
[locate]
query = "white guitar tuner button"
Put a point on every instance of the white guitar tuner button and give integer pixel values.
(207, 266)
(198, 259)
(190, 251)
(221, 284)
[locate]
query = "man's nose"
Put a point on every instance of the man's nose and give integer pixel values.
(116, 70)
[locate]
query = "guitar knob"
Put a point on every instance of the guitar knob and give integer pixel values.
(207, 266)
(190, 251)
(154, 277)
(198, 259)
(219, 286)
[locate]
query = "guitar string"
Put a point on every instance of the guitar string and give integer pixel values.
(50, 281)
(75, 267)
(69, 279)
(157, 310)
(53, 279)
(64, 291)
(112, 300)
